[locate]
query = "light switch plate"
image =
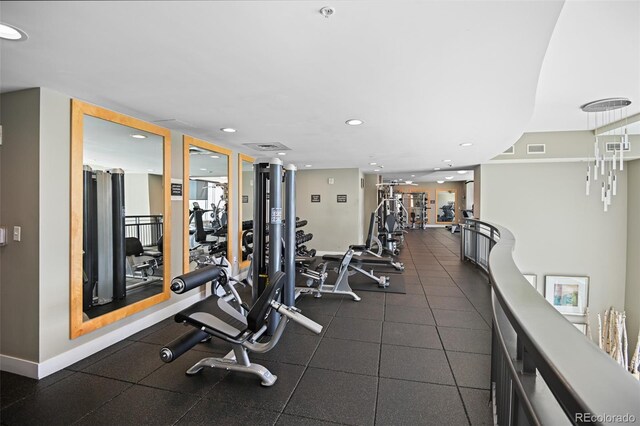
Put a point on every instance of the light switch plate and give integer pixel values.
(17, 233)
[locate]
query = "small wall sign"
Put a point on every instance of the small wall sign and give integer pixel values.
(342, 198)
(245, 199)
(315, 198)
(176, 189)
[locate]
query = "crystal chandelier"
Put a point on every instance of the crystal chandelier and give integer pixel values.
(608, 150)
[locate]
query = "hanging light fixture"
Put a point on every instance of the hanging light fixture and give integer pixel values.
(608, 156)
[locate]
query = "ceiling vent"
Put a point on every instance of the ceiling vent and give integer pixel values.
(509, 151)
(536, 148)
(615, 146)
(267, 147)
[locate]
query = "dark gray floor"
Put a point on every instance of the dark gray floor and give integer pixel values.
(391, 359)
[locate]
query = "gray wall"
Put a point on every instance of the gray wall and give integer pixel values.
(558, 229)
(477, 192)
(334, 225)
(632, 296)
(20, 206)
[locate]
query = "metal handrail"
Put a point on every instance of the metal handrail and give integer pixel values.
(585, 382)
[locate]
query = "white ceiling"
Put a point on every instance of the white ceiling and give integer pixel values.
(425, 76)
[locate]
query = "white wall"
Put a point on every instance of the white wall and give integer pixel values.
(558, 229)
(632, 295)
(136, 194)
(334, 225)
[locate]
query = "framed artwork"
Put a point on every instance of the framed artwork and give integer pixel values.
(532, 278)
(566, 293)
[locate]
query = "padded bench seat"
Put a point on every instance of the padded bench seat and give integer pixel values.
(216, 314)
(373, 260)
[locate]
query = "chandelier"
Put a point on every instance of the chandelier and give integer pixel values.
(609, 118)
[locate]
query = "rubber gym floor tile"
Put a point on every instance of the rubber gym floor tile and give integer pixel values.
(84, 363)
(433, 274)
(292, 349)
(14, 387)
(409, 403)
(437, 281)
(409, 315)
(245, 389)
(412, 300)
(141, 405)
(173, 377)
(362, 330)
(416, 335)
(478, 406)
(289, 420)
(368, 298)
(131, 364)
(471, 370)
(211, 412)
(414, 289)
(335, 396)
(373, 311)
(325, 305)
(417, 364)
(437, 290)
(465, 340)
(452, 303)
(213, 347)
(63, 402)
(141, 334)
(167, 334)
(459, 319)
(348, 356)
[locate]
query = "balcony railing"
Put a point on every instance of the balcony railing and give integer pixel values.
(544, 371)
(148, 229)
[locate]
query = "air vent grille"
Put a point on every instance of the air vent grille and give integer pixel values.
(615, 146)
(536, 148)
(267, 147)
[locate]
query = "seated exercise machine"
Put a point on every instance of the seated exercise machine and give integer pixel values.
(141, 263)
(227, 318)
(367, 255)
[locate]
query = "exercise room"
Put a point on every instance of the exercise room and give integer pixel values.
(318, 213)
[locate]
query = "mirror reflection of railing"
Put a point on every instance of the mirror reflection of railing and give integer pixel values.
(543, 370)
(147, 229)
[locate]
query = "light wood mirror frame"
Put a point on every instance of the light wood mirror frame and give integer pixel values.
(191, 141)
(79, 109)
(455, 206)
(242, 158)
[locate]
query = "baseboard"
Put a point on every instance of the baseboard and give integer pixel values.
(19, 366)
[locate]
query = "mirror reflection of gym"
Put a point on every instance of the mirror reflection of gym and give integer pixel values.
(207, 196)
(245, 210)
(121, 199)
(446, 206)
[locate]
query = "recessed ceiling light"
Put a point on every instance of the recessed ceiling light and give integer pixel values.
(354, 122)
(413, 175)
(376, 170)
(307, 165)
(282, 153)
(461, 172)
(203, 169)
(400, 179)
(446, 161)
(228, 130)
(215, 156)
(373, 163)
(440, 181)
(448, 177)
(436, 168)
(7, 32)
(466, 144)
(409, 182)
(149, 170)
(138, 136)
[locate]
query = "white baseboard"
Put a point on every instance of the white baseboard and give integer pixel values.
(39, 370)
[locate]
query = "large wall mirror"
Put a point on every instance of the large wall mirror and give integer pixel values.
(446, 206)
(120, 173)
(207, 210)
(245, 209)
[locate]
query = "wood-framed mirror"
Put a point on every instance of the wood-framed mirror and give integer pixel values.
(207, 206)
(445, 206)
(245, 208)
(120, 210)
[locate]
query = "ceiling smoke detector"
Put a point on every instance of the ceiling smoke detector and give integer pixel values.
(327, 11)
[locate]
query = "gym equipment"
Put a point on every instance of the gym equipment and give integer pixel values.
(141, 264)
(216, 317)
(316, 284)
(416, 204)
(103, 237)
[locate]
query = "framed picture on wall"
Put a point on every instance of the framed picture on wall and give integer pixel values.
(566, 293)
(532, 278)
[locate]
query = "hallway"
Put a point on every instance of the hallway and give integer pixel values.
(417, 358)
